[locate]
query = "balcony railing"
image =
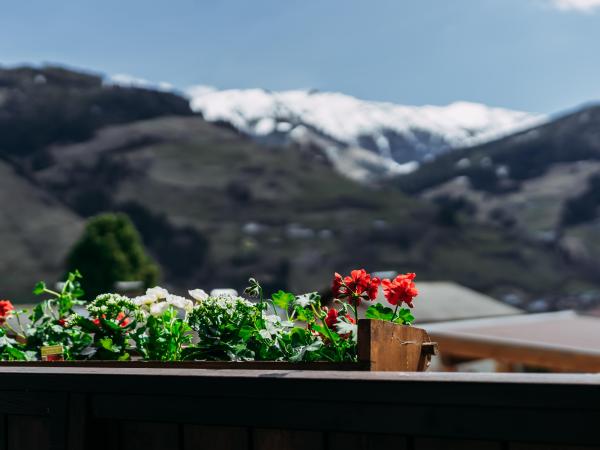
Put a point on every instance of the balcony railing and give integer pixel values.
(150, 408)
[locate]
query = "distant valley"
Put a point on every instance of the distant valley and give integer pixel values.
(214, 203)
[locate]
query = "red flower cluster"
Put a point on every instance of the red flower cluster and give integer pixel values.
(356, 287)
(5, 310)
(401, 289)
(121, 320)
(362, 286)
(332, 317)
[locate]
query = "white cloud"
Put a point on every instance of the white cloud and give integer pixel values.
(199, 90)
(585, 6)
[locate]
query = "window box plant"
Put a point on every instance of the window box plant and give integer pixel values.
(280, 331)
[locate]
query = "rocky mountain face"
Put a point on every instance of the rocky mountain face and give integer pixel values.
(213, 205)
(543, 184)
(363, 140)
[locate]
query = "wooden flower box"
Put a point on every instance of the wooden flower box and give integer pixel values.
(382, 347)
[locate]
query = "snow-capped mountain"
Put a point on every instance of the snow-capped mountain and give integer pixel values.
(360, 138)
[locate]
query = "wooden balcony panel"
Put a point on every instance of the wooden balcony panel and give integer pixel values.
(152, 408)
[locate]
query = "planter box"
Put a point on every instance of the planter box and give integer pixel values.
(382, 347)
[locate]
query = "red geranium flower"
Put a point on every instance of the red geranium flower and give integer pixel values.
(331, 317)
(5, 310)
(401, 289)
(121, 320)
(359, 285)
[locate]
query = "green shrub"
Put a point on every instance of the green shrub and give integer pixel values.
(111, 250)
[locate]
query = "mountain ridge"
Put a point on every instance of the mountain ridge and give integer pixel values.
(399, 136)
(213, 205)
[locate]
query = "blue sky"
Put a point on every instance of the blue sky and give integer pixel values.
(535, 55)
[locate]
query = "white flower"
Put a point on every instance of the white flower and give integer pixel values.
(157, 309)
(274, 325)
(157, 292)
(144, 300)
(265, 334)
(221, 292)
(198, 294)
(304, 300)
(180, 302)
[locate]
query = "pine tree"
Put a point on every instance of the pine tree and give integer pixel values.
(111, 250)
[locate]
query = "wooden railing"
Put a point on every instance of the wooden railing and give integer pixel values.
(185, 409)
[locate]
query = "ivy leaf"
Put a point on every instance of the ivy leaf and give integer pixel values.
(379, 312)
(39, 288)
(283, 299)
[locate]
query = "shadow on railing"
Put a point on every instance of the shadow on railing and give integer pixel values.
(151, 408)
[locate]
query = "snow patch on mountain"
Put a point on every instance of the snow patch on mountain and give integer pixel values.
(401, 133)
(126, 80)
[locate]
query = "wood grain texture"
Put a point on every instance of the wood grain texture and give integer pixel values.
(28, 433)
(553, 358)
(271, 439)
(455, 444)
(559, 409)
(385, 346)
(201, 437)
(356, 441)
(149, 436)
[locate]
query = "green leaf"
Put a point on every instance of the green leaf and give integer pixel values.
(38, 312)
(246, 332)
(283, 299)
(404, 317)
(39, 288)
(16, 354)
(254, 288)
(326, 332)
(304, 315)
(107, 344)
(87, 325)
(110, 325)
(379, 312)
